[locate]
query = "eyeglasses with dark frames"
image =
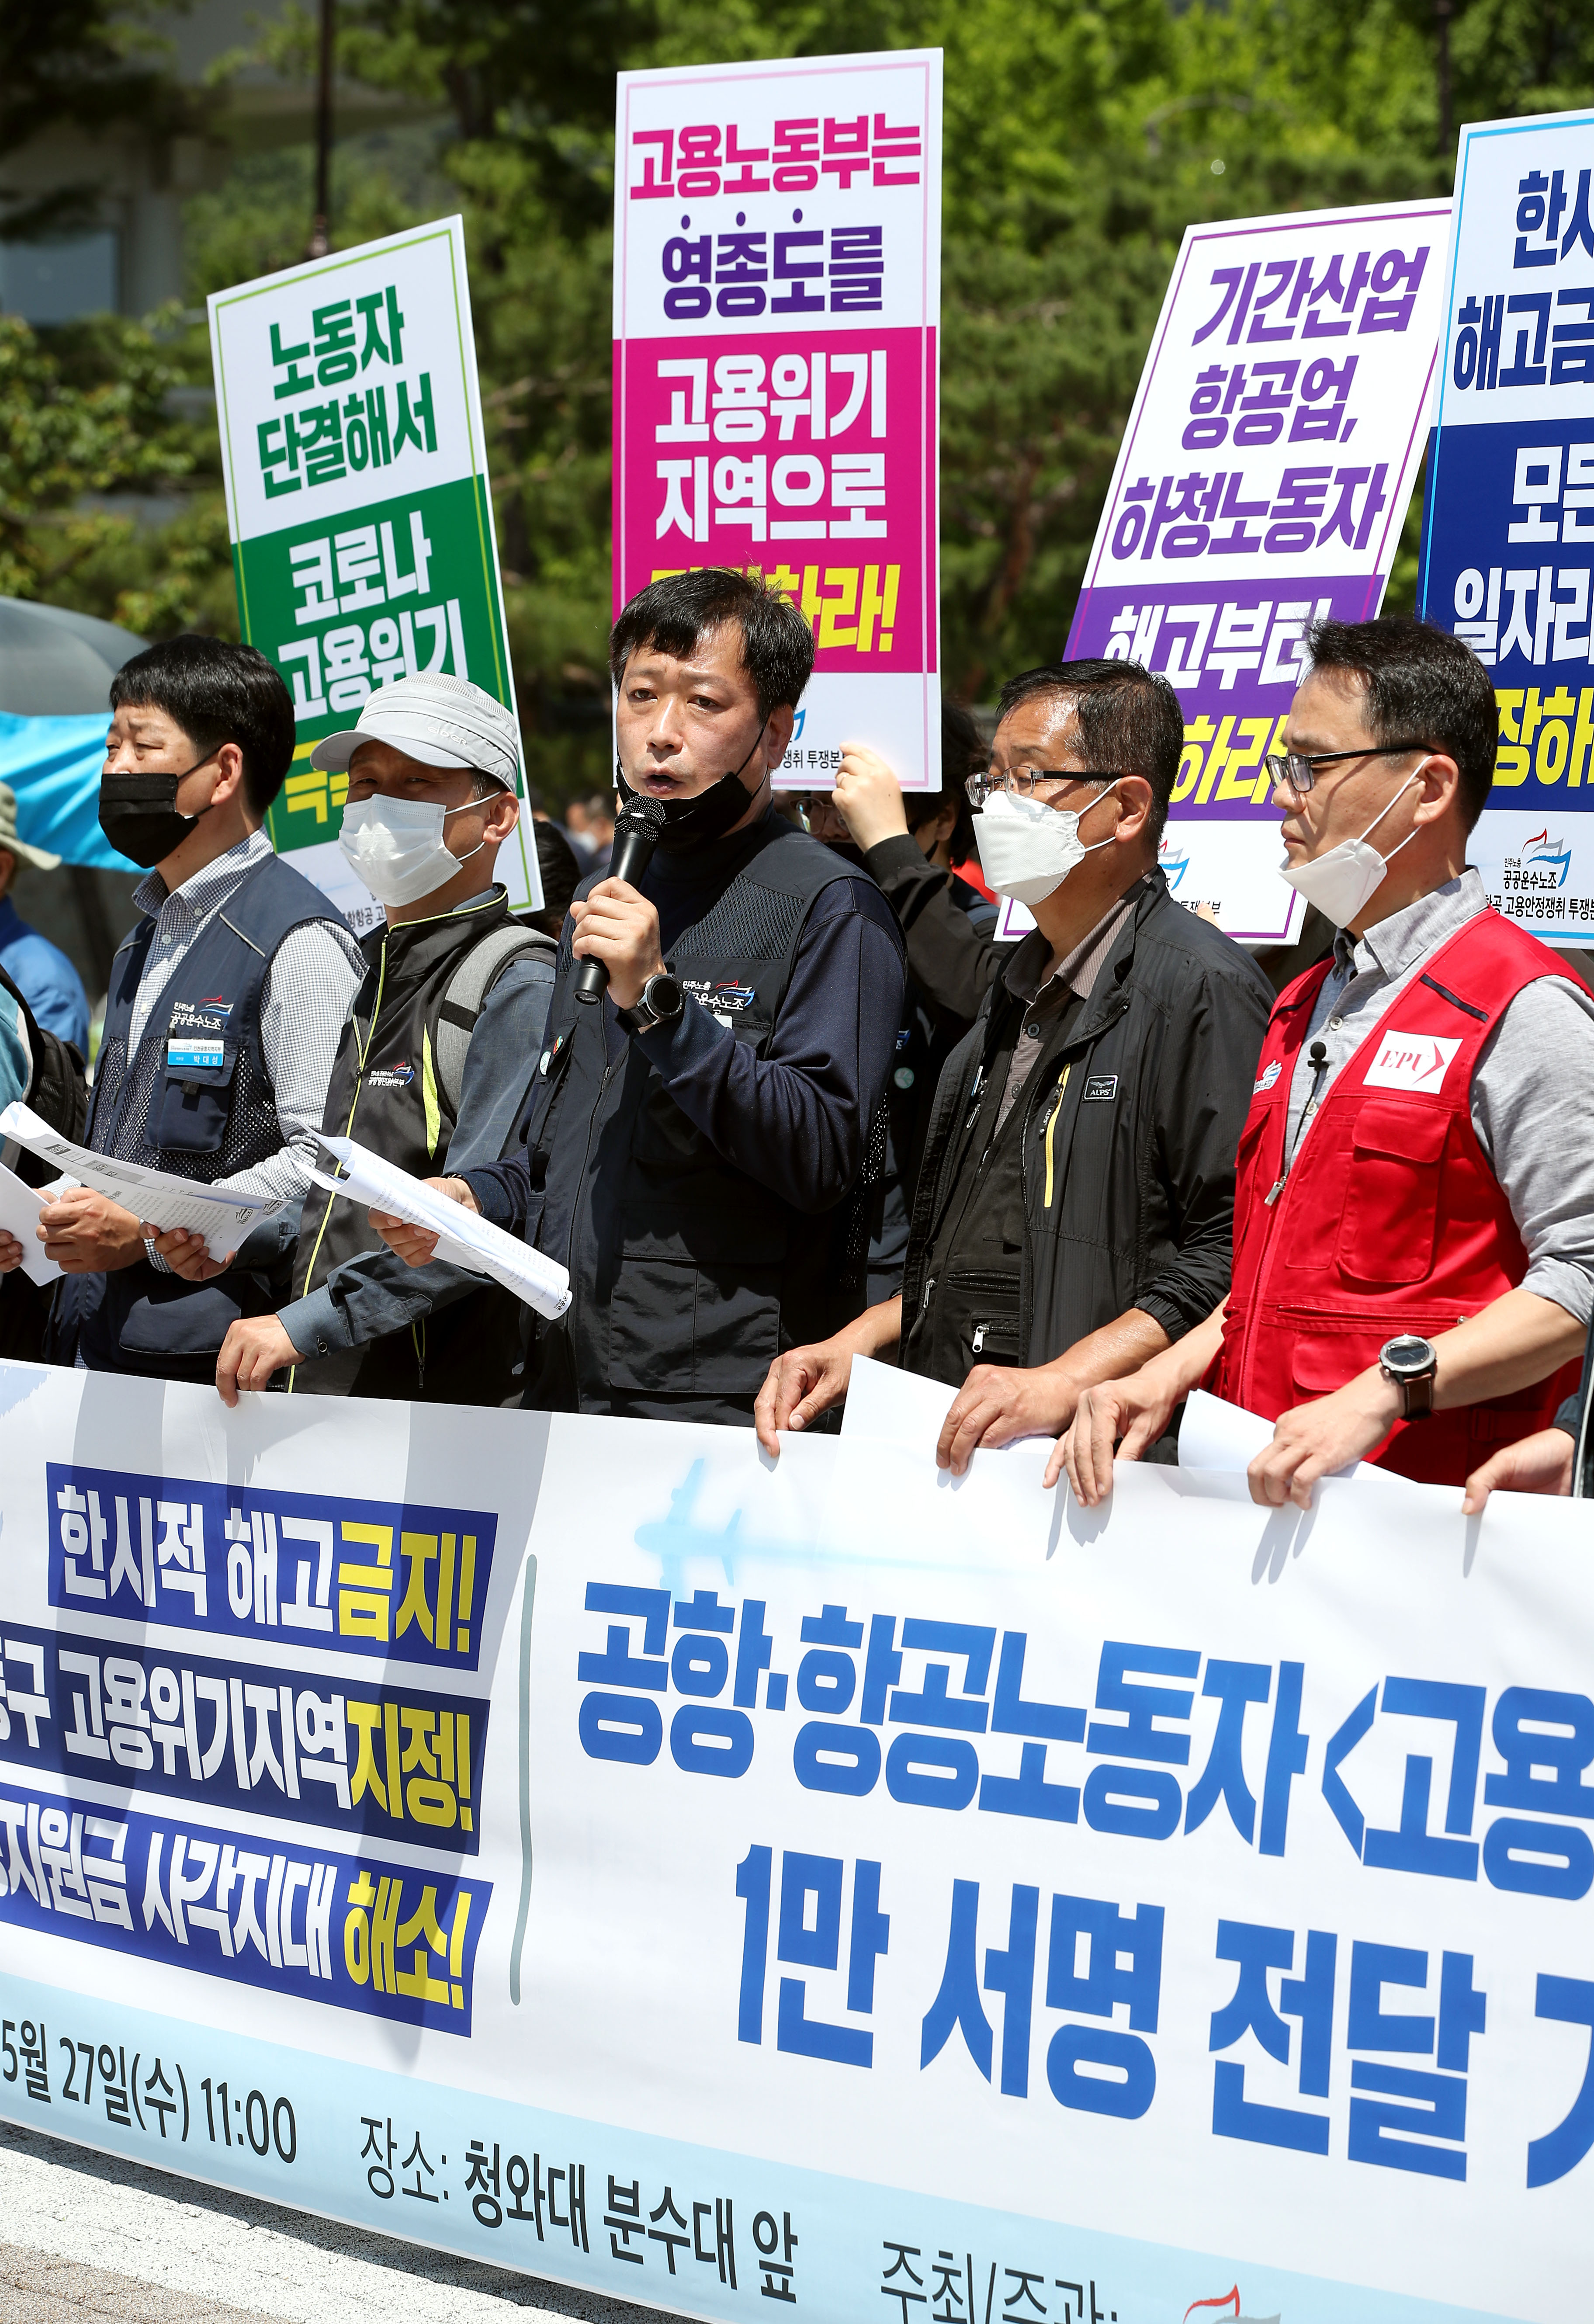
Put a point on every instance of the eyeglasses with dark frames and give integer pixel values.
(1023, 780)
(1300, 773)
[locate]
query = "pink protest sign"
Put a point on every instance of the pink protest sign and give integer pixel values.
(777, 300)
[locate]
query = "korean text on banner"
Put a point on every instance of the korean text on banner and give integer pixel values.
(777, 304)
(1264, 476)
(1508, 525)
(585, 1846)
(359, 509)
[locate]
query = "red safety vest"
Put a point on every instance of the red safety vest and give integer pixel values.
(1390, 1219)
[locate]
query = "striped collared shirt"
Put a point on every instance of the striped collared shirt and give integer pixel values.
(304, 1002)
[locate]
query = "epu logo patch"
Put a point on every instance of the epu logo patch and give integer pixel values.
(1411, 1061)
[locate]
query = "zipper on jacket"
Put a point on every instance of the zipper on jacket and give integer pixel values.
(348, 1127)
(1050, 1127)
(1002, 1326)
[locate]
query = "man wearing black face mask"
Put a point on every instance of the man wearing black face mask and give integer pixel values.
(226, 1005)
(700, 1144)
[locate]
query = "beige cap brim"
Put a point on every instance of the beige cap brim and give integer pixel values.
(40, 858)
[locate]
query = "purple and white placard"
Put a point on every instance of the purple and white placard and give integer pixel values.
(1262, 481)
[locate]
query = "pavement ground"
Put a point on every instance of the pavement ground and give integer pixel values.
(90, 2236)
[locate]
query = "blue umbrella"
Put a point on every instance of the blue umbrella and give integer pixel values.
(55, 670)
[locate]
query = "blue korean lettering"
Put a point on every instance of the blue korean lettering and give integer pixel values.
(1109, 1935)
(1134, 1800)
(1028, 1793)
(402, 1762)
(938, 1770)
(1411, 1847)
(390, 1578)
(1546, 1739)
(1235, 1685)
(703, 1741)
(1310, 2000)
(809, 1936)
(688, 268)
(1540, 205)
(253, 1911)
(828, 1756)
(1565, 2001)
(957, 2005)
(1424, 2132)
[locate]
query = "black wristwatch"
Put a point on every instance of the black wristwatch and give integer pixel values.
(660, 1002)
(1411, 1363)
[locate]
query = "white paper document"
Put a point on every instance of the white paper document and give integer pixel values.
(894, 1407)
(223, 1216)
(463, 1238)
(1215, 1435)
(20, 1207)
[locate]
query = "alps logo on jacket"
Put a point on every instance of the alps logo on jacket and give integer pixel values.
(1411, 1061)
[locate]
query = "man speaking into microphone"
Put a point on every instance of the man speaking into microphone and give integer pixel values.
(707, 1113)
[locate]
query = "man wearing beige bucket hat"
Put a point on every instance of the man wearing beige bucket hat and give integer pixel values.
(41, 972)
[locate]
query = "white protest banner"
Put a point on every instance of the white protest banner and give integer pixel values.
(1262, 483)
(586, 1846)
(1508, 520)
(359, 509)
(777, 305)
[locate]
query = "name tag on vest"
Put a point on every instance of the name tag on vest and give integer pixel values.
(1099, 1088)
(183, 1055)
(1411, 1061)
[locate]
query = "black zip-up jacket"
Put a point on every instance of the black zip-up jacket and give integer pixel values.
(706, 1181)
(1161, 1062)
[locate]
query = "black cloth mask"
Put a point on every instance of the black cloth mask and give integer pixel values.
(138, 811)
(698, 821)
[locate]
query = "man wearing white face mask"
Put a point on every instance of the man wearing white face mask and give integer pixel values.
(1414, 1258)
(436, 1062)
(1075, 1201)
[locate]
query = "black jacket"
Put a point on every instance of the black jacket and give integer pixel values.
(706, 1182)
(954, 957)
(1161, 1063)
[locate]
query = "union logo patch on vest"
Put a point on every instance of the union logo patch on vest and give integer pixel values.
(1412, 1061)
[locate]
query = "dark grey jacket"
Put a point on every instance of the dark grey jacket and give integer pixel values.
(1161, 1061)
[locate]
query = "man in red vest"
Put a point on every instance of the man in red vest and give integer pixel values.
(1413, 1218)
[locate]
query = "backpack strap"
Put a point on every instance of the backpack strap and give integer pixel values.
(57, 1087)
(466, 997)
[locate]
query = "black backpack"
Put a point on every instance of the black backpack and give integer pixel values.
(59, 1091)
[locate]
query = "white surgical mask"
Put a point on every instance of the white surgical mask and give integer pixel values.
(1341, 881)
(1027, 849)
(396, 846)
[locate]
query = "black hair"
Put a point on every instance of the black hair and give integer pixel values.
(1423, 686)
(676, 612)
(962, 753)
(561, 876)
(216, 692)
(1130, 720)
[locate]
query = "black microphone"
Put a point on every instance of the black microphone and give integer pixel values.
(636, 835)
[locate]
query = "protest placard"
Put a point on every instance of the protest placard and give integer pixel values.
(776, 303)
(582, 1845)
(359, 509)
(1262, 483)
(1508, 520)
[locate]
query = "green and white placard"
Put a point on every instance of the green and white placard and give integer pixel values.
(359, 508)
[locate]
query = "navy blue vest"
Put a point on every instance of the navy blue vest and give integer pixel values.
(194, 1098)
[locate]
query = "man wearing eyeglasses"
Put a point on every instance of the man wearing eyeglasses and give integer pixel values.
(1073, 1209)
(1414, 1226)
